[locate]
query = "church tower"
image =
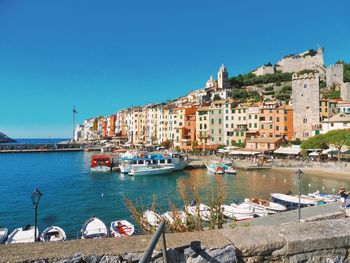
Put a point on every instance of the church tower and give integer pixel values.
(223, 78)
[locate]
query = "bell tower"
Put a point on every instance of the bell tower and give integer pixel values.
(223, 78)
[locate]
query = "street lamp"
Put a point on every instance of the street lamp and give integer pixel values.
(299, 173)
(36, 195)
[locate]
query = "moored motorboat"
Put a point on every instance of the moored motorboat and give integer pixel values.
(292, 201)
(3, 234)
(94, 228)
(53, 233)
(215, 167)
(230, 170)
(175, 216)
(152, 218)
(101, 163)
(22, 235)
(202, 210)
(327, 198)
(152, 170)
(258, 211)
(268, 205)
(122, 228)
(237, 213)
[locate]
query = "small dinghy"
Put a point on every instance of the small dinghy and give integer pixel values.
(94, 228)
(268, 205)
(204, 211)
(152, 218)
(53, 233)
(177, 216)
(122, 228)
(3, 234)
(22, 235)
(258, 211)
(237, 213)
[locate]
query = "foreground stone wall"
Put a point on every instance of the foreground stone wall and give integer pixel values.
(318, 241)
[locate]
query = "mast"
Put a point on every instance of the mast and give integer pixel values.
(74, 113)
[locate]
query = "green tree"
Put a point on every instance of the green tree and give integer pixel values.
(166, 144)
(338, 138)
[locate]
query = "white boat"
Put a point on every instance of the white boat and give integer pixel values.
(145, 160)
(101, 163)
(256, 210)
(177, 216)
(327, 198)
(22, 235)
(292, 200)
(215, 167)
(3, 234)
(152, 218)
(202, 210)
(230, 170)
(152, 170)
(237, 213)
(94, 228)
(268, 205)
(53, 233)
(122, 228)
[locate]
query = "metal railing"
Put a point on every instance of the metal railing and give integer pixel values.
(146, 257)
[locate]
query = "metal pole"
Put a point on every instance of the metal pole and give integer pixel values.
(299, 215)
(36, 221)
(165, 259)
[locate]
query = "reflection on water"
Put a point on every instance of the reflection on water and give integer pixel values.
(71, 194)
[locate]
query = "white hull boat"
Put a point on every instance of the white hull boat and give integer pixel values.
(230, 170)
(53, 233)
(293, 200)
(100, 169)
(327, 198)
(215, 168)
(152, 218)
(22, 235)
(204, 211)
(152, 170)
(3, 235)
(122, 228)
(268, 205)
(256, 210)
(94, 228)
(177, 216)
(237, 213)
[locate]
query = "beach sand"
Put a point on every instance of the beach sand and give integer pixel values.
(321, 172)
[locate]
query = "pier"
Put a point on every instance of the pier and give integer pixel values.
(34, 148)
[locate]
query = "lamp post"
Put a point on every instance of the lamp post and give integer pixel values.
(36, 195)
(300, 175)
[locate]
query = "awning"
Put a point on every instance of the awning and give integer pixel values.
(293, 150)
(243, 152)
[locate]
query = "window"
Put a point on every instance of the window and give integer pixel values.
(262, 126)
(232, 125)
(285, 128)
(332, 124)
(220, 121)
(205, 118)
(219, 139)
(212, 121)
(227, 118)
(255, 125)
(242, 133)
(278, 119)
(200, 126)
(250, 117)
(270, 118)
(233, 111)
(212, 139)
(270, 126)
(277, 128)
(239, 118)
(219, 111)
(200, 118)
(232, 118)
(205, 126)
(219, 131)
(244, 118)
(237, 134)
(212, 111)
(305, 86)
(239, 111)
(250, 125)
(226, 125)
(226, 111)
(285, 118)
(305, 120)
(212, 131)
(256, 116)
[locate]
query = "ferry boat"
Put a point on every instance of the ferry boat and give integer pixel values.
(152, 170)
(101, 163)
(175, 160)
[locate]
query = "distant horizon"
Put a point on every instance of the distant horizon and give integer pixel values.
(103, 57)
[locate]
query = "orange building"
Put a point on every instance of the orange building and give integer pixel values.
(276, 120)
(111, 130)
(185, 127)
(189, 132)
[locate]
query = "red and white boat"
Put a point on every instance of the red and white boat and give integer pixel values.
(101, 163)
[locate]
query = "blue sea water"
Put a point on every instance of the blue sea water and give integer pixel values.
(71, 194)
(40, 141)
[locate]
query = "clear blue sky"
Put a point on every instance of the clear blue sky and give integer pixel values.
(106, 55)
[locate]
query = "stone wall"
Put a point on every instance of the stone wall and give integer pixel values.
(319, 241)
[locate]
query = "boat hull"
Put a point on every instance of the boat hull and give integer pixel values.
(124, 229)
(21, 235)
(94, 228)
(100, 169)
(53, 233)
(151, 171)
(3, 235)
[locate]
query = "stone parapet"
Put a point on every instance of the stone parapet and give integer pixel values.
(318, 241)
